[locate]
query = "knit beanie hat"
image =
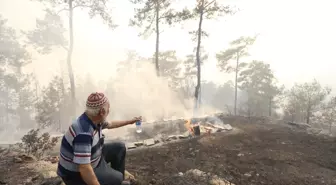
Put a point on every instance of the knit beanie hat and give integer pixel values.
(96, 100)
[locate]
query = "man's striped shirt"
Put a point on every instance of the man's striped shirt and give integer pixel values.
(81, 144)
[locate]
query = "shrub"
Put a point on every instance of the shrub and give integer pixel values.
(36, 145)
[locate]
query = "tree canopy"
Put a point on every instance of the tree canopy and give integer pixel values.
(305, 99)
(253, 90)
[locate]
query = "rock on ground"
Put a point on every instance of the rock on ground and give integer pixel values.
(197, 174)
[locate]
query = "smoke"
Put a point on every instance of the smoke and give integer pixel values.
(136, 90)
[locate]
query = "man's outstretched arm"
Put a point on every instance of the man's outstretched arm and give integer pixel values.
(117, 124)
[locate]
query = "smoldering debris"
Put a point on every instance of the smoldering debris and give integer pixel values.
(158, 133)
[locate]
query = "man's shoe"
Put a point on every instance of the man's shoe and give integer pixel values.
(130, 182)
(128, 176)
(126, 183)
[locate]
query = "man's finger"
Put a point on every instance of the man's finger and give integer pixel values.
(138, 118)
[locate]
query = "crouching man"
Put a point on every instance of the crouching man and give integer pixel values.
(84, 157)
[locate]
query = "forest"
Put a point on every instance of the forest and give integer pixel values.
(253, 90)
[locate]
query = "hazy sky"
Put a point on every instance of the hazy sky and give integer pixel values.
(296, 37)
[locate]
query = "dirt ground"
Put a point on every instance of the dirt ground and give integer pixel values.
(258, 154)
(253, 154)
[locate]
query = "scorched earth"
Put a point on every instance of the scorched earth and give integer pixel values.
(252, 154)
(270, 154)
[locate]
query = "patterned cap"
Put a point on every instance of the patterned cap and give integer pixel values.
(96, 100)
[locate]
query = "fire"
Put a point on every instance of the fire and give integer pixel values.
(189, 127)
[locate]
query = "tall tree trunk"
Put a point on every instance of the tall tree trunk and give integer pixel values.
(198, 58)
(19, 90)
(60, 108)
(236, 85)
(36, 89)
(308, 112)
(69, 57)
(7, 104)
(157, 38)
(249, 108)
(62, 78)
(270, 107)
(60, 120)
(20, 110)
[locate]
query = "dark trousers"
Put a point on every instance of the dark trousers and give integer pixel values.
(113, 174)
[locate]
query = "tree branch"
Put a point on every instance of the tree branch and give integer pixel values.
(65, 48)
(81, 6)
(208, 4)
(61, 10)
(148, 27)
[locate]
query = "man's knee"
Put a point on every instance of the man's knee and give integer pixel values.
(116, 146)
(114, 178)
(119, 178)
(121, 145)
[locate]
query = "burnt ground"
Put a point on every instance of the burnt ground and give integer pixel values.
(270, 154)
(256, 154)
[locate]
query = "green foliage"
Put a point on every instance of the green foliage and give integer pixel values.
(210, 10)
(205, 9)
(220, 97)
(148, 12)
(11, 50)
(190, 64)
(258, 75)
(50, 30)
(258, 80)
(190, 69)
(328, 115)
(303, 100)
(49, 33)
(238, 49)
(96, 8)
(36, 145)
(170, 68)
(52, 107)
(15, 86)
(169, 63)
(12, 53)
(255, 79)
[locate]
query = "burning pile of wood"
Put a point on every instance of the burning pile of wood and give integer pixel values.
(196, 128)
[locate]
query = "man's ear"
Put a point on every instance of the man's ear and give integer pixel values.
(102, 111)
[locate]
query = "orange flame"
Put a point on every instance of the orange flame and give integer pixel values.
(189, 127)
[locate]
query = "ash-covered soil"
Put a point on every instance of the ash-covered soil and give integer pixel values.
(269, 154)
(254, 153)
